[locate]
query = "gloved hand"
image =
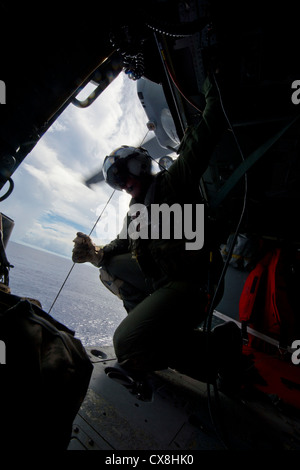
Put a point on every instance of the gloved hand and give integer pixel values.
(86, 251)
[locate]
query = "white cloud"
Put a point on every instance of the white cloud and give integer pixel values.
(50, 202)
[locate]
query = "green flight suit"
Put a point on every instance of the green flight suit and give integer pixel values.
(160, 330)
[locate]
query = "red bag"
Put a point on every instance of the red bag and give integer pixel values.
(264, 302)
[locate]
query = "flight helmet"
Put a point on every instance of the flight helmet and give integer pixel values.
(123, 162)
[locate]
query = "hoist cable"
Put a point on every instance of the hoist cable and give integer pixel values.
(72, 267)
(93, 228)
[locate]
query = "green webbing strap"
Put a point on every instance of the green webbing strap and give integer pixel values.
(247, 164)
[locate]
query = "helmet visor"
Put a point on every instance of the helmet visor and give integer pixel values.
(115, 172)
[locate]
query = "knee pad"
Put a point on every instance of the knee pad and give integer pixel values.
(111, 282)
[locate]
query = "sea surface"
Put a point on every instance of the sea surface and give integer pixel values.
(83, 305)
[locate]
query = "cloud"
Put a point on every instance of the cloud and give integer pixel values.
(50, 201)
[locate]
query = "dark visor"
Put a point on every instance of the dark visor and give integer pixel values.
(117, 174)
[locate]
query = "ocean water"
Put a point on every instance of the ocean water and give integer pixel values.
(84, 304)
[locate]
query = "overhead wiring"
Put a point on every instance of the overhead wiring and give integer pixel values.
(175, 82)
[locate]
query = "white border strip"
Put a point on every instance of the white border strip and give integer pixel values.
(259, 335)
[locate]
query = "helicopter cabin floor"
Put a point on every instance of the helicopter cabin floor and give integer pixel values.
(170, 411)
(175, 413)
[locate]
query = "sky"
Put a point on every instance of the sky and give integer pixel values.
(50, 201)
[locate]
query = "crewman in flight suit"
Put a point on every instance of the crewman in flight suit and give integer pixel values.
(166, 286)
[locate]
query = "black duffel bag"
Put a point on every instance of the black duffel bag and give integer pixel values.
(44, 376)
